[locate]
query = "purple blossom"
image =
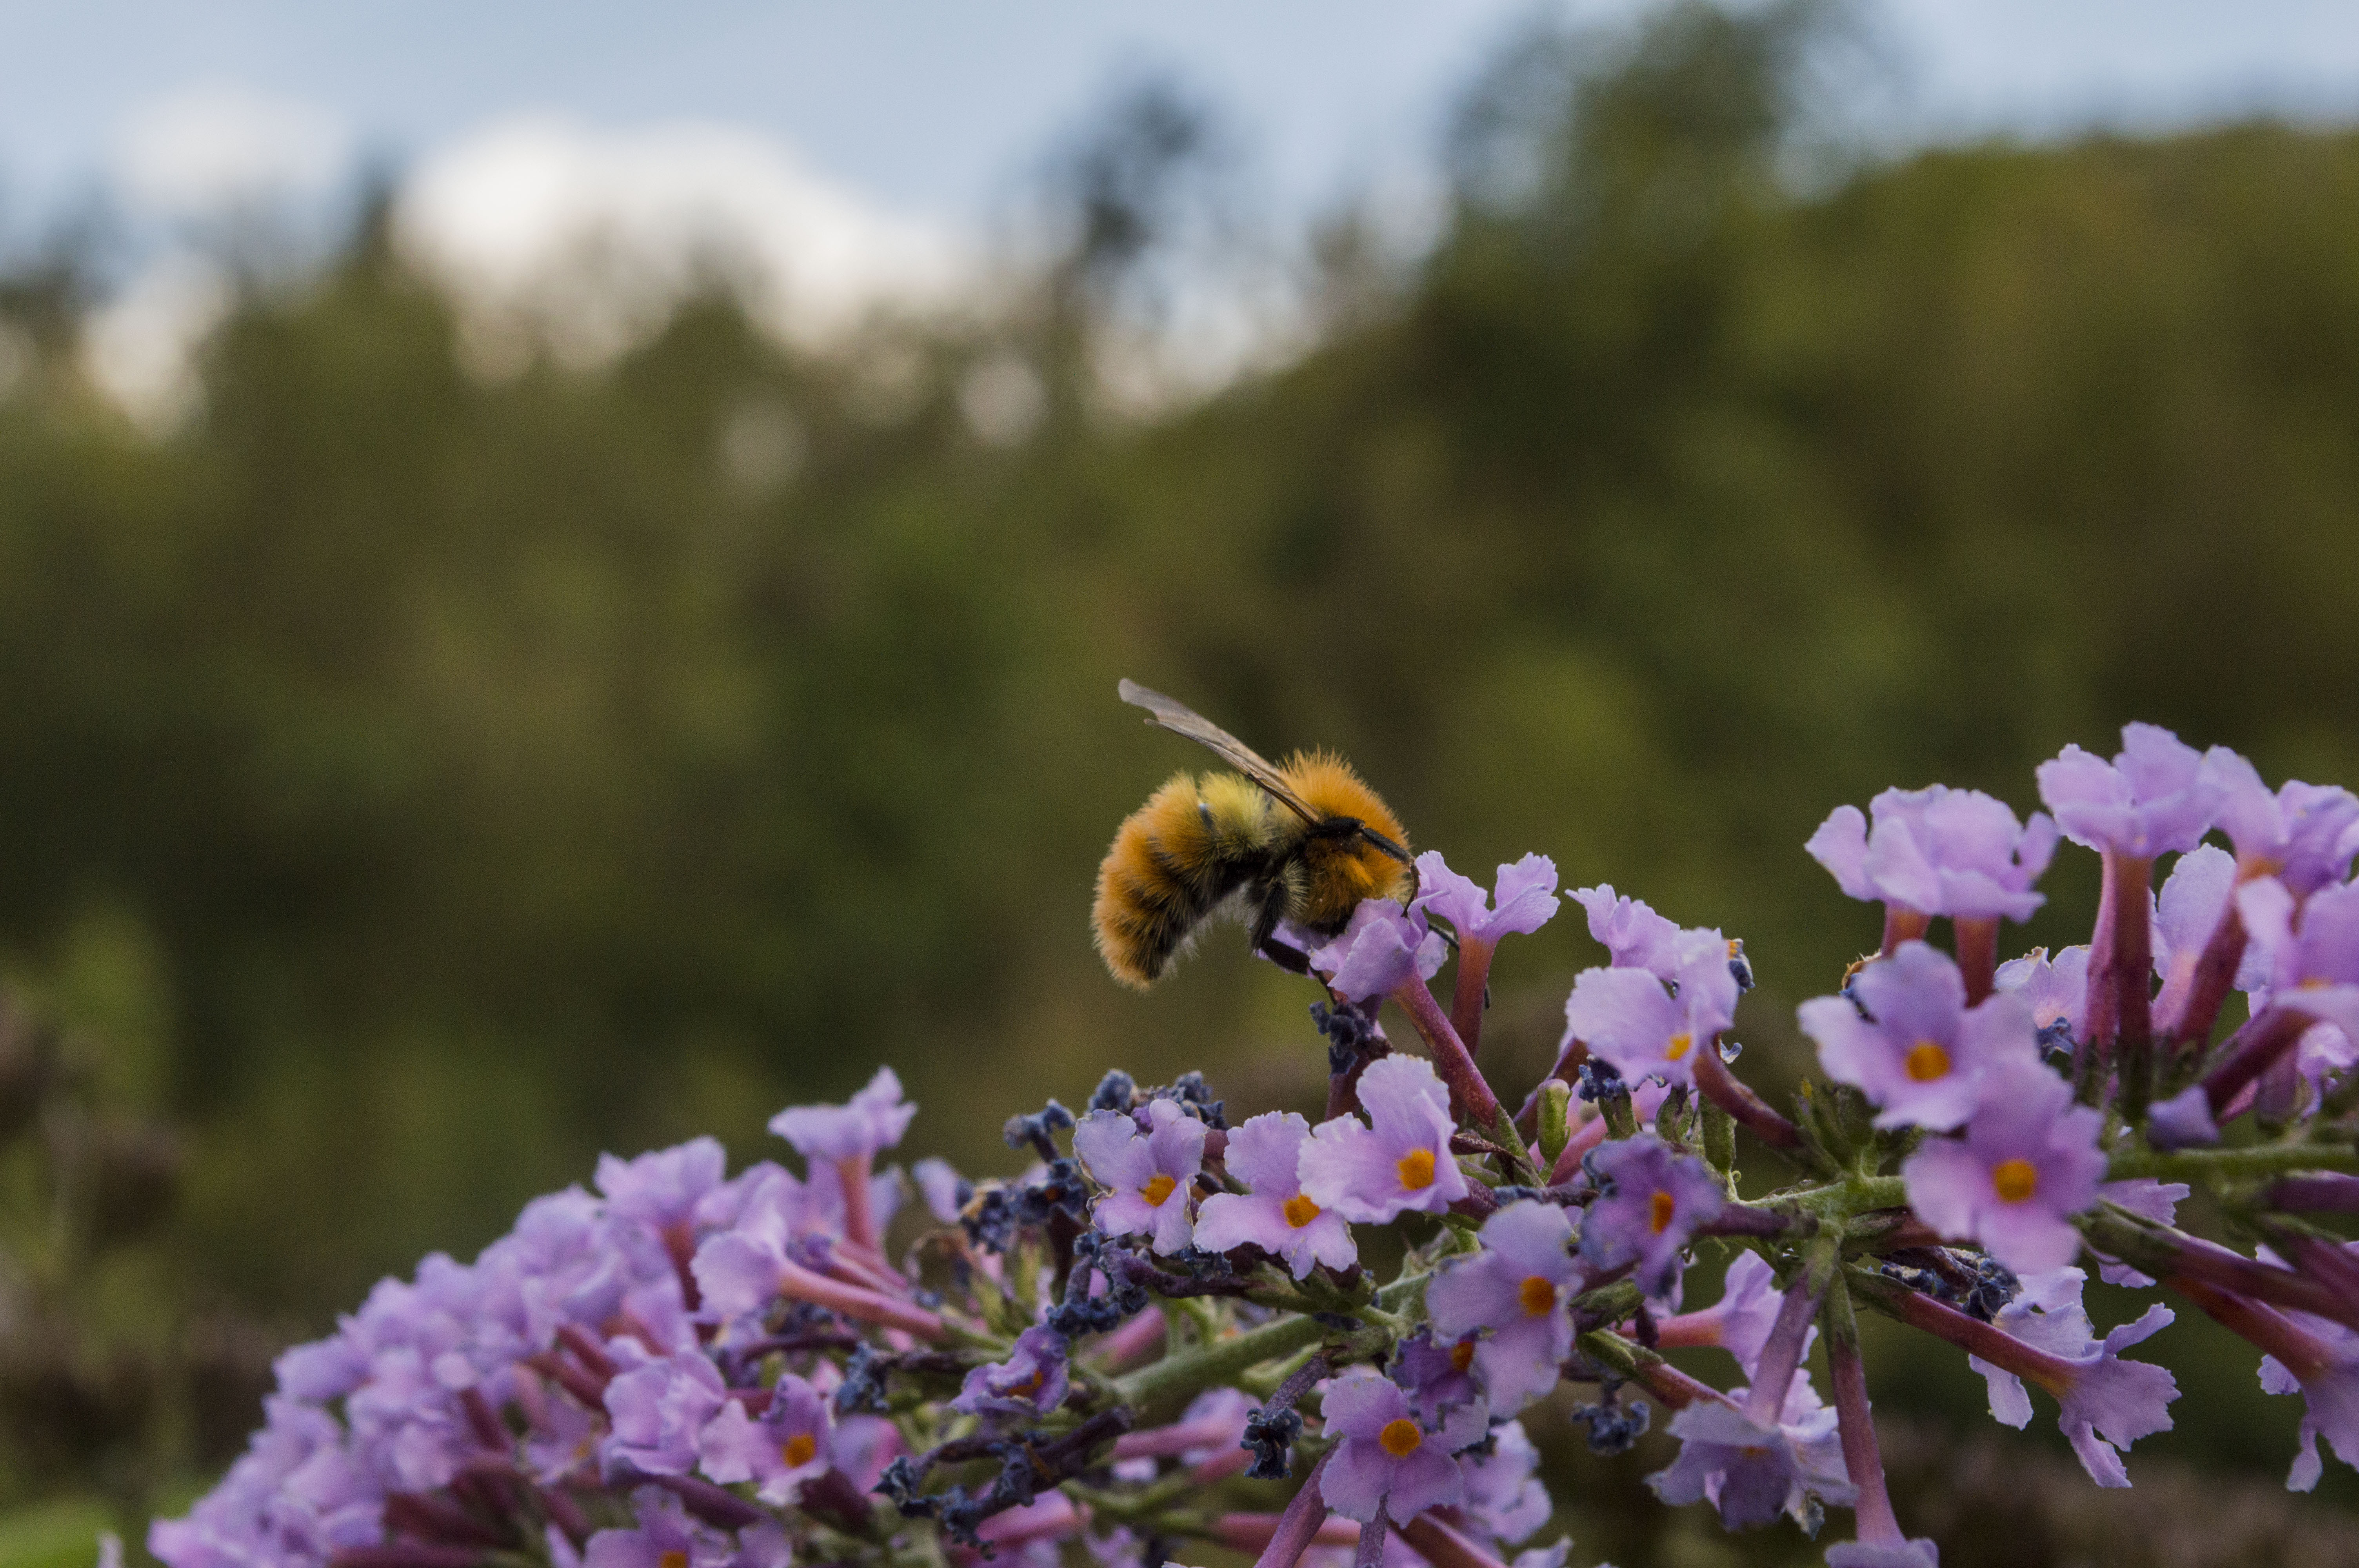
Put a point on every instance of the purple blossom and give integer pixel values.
(1938, 850)
(1370, 1173)
(662, 1189)
(1520, 1287)
(2105, 1403)
(2183, 1121)
(1274, 1215)
(1151, 1176)
(2028, 1160)
(293, 1497)
(659, 1409)
(2313, 966)
(939, 1183)
(1632, 1019)
(1653, 1200)
(2194, 897)
(1030, 1383)
(1388, 1458)
(2057, 992)
(1739, 1322)
(666, 1538)
(2321, 1364)
(2153, 798)
(1436, 1373)
(1922, 1053)
(2304, 835)
(2149, 1199)
(790, 1443)
(873, 1121)
(1526, 897)
(1503, 1495)
(1752, 1471)
(1383, 949)
(1633, 936)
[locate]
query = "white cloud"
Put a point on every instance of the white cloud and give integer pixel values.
(140, 348)
(589, 236)
(220, 149)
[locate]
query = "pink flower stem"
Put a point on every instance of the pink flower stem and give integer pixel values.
(799, 1283)
(2249, 1053)
(1297, 1527)
(1229, 1462)
(1567, 1070)
(1971, 1335)
(1443, 1546)
(1781, 1353)
(1902, 923)
(1977, 943)
(1470, 1096)
(1688, 1329)
(1716, 1084)
(2314, 1195)
(1158, 1442)
(1132, 1340)
(1370, 1552)
(2184, 1014)
(2301, 1352)
(859, 1223)
(1473, 981)
(2121, 954)
(1872, 1514)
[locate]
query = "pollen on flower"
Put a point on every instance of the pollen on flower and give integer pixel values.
(675, 1558)
(1660, 1210)
(1416, 1169)
(1461, 1355)
(1927, 1061)
(1155, 1191)
(1400, 1438)
(1679, 1047)
(800, 1448)
(1538, 1294)
(1300, 1210)
(2015, 1180)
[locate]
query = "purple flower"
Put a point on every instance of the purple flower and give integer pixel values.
(1632, 1019)
(2318, 1359)
(788, 1444)
(2148, 1198)
(1388, 1458)
(1653, 1201)
(1634, 936)
(1504, 1494)
(1436, 1373)
(662, 1189)
(659, 1409)
(293, 1497)
(2183, 1121)
(2056, 990)
(1923, 1053)
(2105, 1403)
(1152, 1174)
(2304, 835)
(1938, 850)
(2194, 897)
(2028, 1160)
(873, 1121)
(1521, 1288)
(1030, 1383)
(666, 1538)
(2153, 798)
(1371, 1173)
(1526, 897)
(1919, 1553)
(1274, 1215)
(1383, 949)
(1739, 1322)
(2314, 966)
(939, 1183)
(1752, 1472)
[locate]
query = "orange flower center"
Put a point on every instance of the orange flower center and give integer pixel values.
(1659, 1209)
(1155, 1191)
(2015, 1180)
(1399, 1438)
(1416, 1169)
(800, 1447)
(1536, 1293)
(675, 1558)
(1927, 1061)
(1300, 1210)
(1679, 1047)
(1461, 1355)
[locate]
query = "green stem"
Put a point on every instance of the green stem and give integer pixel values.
(1843, 1199)
(2230, 1164)
(1162, 1391)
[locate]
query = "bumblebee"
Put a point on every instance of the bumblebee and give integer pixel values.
(1304, 842)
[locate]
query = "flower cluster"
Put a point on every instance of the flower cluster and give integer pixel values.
(688, 1369)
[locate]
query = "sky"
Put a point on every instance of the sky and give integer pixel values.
(866, 145)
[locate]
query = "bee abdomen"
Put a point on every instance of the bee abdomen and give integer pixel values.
(1174, 862)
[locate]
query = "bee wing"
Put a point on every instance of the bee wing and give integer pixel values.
(1182, 719)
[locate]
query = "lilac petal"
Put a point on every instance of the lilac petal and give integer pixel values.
(1521, 1360)
(1527, 897)
(1353, 1482)
(1621, 1015)
(1360, 1404)
(1458, 899)
(1840, 845)
(2183, 1121)
(1264, 1152)
(1633, 936)
(1113, 1151)
(1428, 1478)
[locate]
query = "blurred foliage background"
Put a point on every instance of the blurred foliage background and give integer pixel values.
(417, 780)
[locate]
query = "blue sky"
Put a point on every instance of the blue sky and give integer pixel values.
(939, 109)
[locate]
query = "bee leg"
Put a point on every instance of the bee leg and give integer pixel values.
(1284, 955)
